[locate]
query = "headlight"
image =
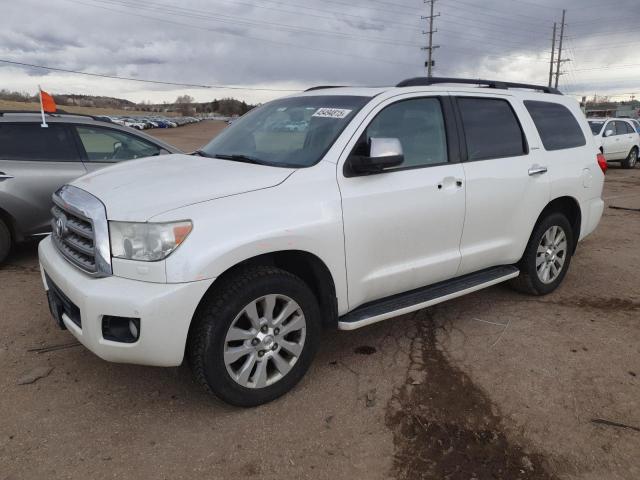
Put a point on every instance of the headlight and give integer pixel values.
(147, 242)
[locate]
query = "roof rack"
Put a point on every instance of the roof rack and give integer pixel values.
(423, 81)
(99, 118)
(322, 87)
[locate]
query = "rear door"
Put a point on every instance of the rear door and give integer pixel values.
(506, 181)
(102, 146)
(34, 162)
(615, 145)
(628, 136)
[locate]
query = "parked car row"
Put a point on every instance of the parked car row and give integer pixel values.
(142, 123)
(618, 139)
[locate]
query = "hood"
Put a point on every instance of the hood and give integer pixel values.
(136, 190)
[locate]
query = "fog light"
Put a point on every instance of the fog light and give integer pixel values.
(120, 329)
(133, 329)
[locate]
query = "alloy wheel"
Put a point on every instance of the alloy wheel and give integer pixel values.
(264, 341)
(551, 254)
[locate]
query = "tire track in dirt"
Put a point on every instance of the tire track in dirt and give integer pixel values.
(445, 427)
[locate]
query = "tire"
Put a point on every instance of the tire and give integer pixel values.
(533, 281)
(632, 159)
(255, 377)
(5, 241)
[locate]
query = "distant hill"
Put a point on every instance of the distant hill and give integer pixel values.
(184, 104)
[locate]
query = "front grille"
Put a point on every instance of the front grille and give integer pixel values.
(73, 235)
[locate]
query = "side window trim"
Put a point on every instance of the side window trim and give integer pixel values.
(463, 137)
(82, 152)
(451, 134)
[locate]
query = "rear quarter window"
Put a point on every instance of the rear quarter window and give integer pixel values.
(557, 126)
(30, 141)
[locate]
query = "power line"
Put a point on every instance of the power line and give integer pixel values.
(130, 79)
(235, 20)
(247, 37)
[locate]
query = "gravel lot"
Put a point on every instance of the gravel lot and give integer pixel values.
(492, 385)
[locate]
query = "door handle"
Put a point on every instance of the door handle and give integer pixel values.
(537, 170)
(4, 176)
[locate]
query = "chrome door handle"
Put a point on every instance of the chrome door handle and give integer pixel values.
(537, 170)
(4, 176)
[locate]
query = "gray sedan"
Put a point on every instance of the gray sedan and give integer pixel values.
(35, 161)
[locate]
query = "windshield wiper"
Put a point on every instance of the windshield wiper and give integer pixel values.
(241, 158)
(201, 153)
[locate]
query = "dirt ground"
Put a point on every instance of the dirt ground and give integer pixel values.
(189, 137)
(494, 385)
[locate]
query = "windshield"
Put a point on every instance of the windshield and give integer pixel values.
(290, 132)
(596, 126)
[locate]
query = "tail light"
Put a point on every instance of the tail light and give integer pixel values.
(602, 162)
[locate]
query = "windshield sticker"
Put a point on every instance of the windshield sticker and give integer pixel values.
(331, 113)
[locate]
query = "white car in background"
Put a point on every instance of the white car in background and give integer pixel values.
(618, 139)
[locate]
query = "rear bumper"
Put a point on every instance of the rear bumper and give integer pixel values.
(165, 311)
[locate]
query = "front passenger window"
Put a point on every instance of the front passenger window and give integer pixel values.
(105, 145)
(419, 125)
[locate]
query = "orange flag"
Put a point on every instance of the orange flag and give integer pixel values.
(48, 105)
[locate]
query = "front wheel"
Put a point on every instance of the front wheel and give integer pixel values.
(632, 159)
(255, 336)
(5, 241)
(547, 257)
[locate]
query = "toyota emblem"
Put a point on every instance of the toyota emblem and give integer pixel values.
(61, 226)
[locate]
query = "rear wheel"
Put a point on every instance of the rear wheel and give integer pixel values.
(255, 336)
(632, 159)
(5, 241)
(547, 257)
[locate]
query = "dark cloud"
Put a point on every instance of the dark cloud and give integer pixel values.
(291, 44)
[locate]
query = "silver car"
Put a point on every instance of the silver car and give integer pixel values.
(35, 161)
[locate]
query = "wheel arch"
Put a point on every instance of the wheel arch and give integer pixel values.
(308, 266)
(569, 207)
(10, 222)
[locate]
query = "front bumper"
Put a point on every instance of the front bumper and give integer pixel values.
(165, 310)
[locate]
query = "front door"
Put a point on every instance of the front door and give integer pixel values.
(402, 227)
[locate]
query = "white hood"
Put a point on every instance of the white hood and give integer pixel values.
(140, 189)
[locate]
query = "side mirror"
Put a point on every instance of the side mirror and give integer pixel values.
(383, 153)
(608, 133)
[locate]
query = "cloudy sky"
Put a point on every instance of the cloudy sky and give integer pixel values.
(277, 45)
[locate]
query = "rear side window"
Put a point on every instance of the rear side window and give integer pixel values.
(491, 129)
(30, 141)
(557, 126)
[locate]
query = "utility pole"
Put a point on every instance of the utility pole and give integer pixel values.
(560, 60)
(431, 47)
(553, 51)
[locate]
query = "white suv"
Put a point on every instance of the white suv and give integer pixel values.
(386, 201)
(618, 139)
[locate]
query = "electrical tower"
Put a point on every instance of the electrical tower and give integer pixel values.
(560, 59)
(553, 52)
(430, 63)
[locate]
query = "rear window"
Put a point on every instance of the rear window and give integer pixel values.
(30, 141)
(491, 129)
(557, 126)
